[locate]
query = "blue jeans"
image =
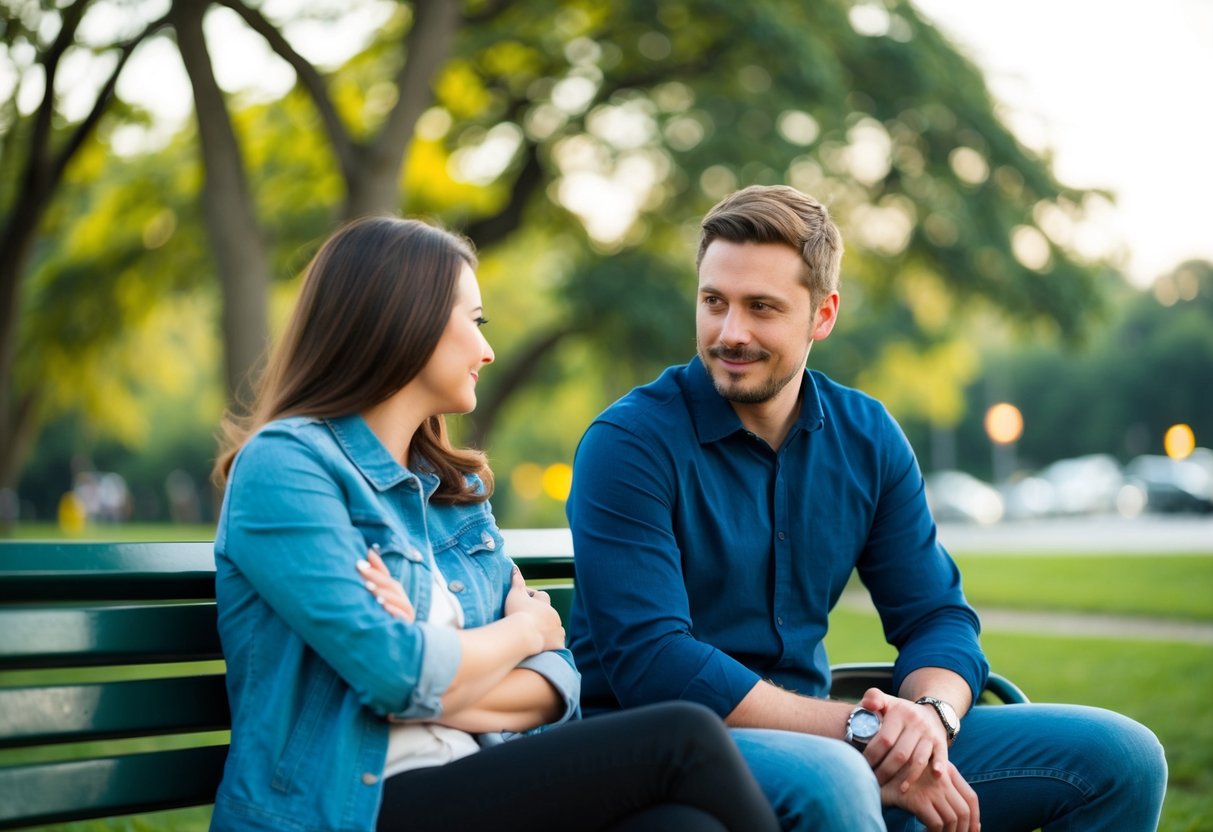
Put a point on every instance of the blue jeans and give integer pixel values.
(1050, 767)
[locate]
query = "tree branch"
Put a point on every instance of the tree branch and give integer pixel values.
(345, 148)
(427, 47)
(506, 383)
(78, 136)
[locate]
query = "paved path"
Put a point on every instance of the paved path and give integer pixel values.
(1070, 624)
(1158, 534)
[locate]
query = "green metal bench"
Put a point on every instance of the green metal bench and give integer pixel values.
(112, 696)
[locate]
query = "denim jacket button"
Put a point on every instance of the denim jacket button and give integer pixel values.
(455, 586)
(413, 554)
(369, 779)
(487, 540)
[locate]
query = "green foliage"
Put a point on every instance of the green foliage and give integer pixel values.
(660, 107)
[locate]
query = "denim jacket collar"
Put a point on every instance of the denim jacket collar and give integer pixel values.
(369, 456)
(715, 418)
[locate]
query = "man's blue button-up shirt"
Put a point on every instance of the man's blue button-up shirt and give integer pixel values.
(706, 560)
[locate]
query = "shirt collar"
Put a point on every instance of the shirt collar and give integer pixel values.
(369, 456)
(714, 417)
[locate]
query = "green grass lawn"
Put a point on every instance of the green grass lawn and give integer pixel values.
(1171, 586)
(134, 532)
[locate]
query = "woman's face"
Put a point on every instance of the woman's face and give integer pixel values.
(450, 376)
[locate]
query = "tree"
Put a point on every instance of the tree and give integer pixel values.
(531, 116)
(37, 149)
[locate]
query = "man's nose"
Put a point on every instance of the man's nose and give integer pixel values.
(735, 329)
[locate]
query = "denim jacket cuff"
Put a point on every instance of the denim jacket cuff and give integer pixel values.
(439, 662)
(562, 676)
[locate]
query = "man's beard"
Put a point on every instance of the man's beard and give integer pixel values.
(765, 390)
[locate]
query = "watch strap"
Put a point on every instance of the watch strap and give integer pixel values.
(951, 725)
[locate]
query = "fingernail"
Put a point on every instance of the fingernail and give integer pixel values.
(375, 547)
(382, 602)
(371, 586)
(363, 565)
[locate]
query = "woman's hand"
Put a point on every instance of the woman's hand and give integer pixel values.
(537, 604)
(386, 589)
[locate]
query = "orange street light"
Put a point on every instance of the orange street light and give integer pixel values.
(1179, 441)
(1004, 423)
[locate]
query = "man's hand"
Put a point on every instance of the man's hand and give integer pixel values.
(943, 803)
(912, 741)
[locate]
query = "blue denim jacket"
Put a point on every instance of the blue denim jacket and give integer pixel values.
(315, 667)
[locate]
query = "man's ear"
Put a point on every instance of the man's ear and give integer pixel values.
(825, 317)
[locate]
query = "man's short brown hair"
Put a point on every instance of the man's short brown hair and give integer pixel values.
(780, 214)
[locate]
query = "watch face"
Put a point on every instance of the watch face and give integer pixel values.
(864, 725)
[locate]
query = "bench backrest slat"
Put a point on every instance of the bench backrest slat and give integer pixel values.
(112, 785)
(46, 571)
(44, 636)
(73, 713)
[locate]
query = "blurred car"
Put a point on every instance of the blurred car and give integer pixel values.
(1174, 485)
(955, 496)
(1091, 484)
(1028, 498)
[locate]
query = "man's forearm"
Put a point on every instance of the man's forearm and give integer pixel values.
(769, 706)
(942, 684)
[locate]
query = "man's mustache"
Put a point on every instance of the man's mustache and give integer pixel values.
(738, 353)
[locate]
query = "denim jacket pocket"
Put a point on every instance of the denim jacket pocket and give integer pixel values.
(322, 686)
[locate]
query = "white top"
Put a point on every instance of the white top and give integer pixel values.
(421, 745)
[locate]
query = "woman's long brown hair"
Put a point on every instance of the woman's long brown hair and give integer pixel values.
(375, 300)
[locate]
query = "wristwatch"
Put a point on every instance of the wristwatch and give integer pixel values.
(862, 725)
(947, 714)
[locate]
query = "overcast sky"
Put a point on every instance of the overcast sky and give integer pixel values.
(1121, 92)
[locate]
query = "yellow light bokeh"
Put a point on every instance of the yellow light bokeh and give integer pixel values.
(1179, 441)
(1004, 423)
(527, 480)
(558, 481)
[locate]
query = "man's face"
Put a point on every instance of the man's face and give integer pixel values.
(755, 321)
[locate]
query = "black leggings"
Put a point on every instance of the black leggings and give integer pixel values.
(663, 767)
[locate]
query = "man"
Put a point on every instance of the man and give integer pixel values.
(717, 514)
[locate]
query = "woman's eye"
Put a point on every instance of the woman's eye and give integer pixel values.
(480, 321)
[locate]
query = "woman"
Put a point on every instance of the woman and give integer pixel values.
(387, 666)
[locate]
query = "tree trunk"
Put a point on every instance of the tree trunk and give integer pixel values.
(375, 187)
(235, 236)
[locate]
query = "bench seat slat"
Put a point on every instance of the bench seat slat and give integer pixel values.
(76, 713)
(109, 786)
(33, 637)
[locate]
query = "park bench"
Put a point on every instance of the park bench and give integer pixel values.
(112, 696)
